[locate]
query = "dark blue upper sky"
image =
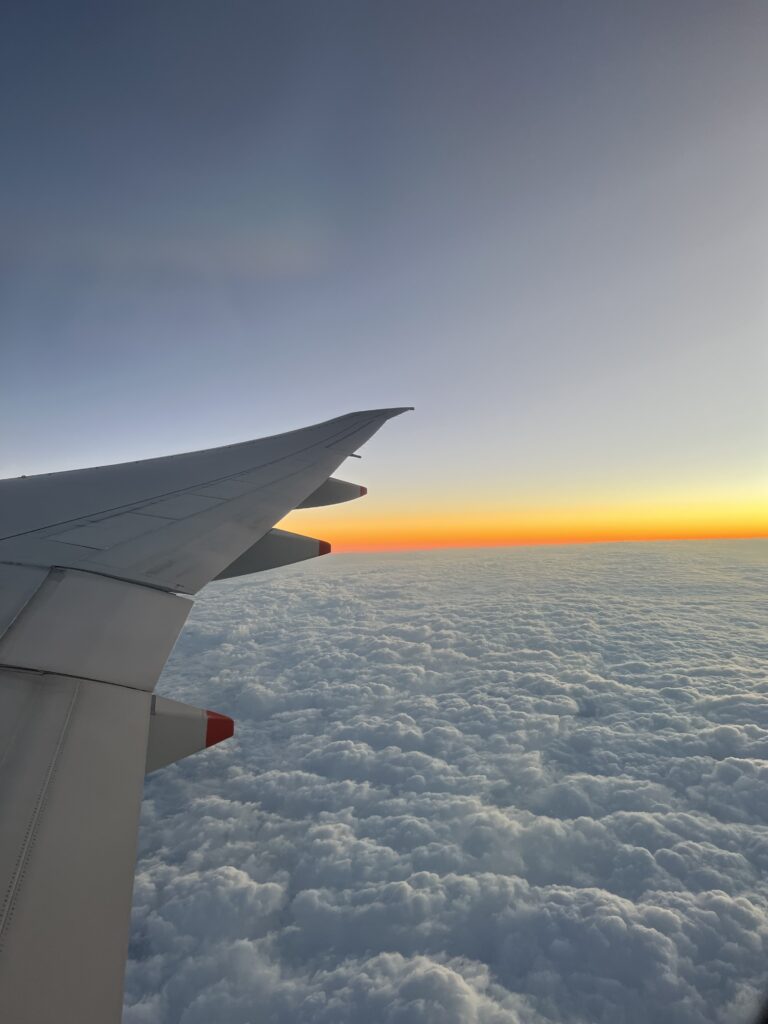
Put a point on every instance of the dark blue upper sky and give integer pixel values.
(543, 224)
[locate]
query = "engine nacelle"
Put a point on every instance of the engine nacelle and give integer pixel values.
(333, 492)
(177, 730)
(278, 547)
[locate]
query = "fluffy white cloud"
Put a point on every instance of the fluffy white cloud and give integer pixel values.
(493, 787)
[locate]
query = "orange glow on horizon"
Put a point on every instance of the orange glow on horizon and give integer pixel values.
(354, 528)
(423, 542)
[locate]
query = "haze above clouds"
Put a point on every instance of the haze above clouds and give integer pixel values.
(523, 785)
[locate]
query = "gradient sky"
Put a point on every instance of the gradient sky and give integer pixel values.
(543, 224)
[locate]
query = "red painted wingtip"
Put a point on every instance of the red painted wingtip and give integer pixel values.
(220, 727)
(363, 490)
(324, 548)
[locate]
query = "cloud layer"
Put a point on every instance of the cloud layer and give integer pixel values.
(495, 787)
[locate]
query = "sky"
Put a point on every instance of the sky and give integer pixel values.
(466, 787)
(541, 224)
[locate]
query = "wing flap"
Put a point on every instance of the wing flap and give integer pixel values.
(73, 756)
(80, 624)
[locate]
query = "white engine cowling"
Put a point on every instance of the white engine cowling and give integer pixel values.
(177, 730)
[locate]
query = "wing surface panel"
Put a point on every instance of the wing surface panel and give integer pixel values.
(175, 522)
(33, 503)
(73, 755)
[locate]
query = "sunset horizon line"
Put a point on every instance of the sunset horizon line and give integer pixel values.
(341, 547)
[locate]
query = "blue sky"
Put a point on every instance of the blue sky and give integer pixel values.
(542, 224)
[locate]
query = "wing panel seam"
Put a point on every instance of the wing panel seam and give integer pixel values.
(22, 607)
(90, 572)
(30, 835)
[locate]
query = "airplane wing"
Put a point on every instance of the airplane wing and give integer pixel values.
(97, 572)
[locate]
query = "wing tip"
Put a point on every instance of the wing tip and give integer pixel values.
(385, 414)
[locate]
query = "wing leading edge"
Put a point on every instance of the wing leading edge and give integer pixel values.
(96, 571)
